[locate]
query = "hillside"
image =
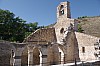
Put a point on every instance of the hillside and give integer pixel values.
(90, 25)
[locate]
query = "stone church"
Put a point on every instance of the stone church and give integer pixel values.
(60, 44)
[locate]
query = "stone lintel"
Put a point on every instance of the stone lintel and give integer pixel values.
(19, 45)
(17, 57)
(44, 56)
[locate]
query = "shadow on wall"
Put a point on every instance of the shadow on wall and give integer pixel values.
(53, 55)
(72, 49)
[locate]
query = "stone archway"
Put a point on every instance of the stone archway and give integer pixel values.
(17, 53)
(36, 58)
(62, 53)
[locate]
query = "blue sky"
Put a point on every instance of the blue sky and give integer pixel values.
(44, 11)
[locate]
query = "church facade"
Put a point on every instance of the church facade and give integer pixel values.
(60, 44)
(64, 43)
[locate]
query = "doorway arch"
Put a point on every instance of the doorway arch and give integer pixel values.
(36, 58)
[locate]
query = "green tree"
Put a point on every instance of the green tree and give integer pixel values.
(11, 28)
(31, 27)
(80, 28)
(14, 28)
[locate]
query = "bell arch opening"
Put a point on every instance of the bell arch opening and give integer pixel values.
(61, 10)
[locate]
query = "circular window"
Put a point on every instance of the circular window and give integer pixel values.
(62, 30)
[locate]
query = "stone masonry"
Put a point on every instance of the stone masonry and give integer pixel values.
(60, 44)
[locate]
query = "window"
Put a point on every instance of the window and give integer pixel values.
(61, 10)
(61, 6)
(96, 48)
(62, 30)
(83, 49)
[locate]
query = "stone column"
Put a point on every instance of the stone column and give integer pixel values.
(17, 58)
(61, 54)
(43, 60)
(12, 58)
(17, 53)
(62, 59)
(30, 56)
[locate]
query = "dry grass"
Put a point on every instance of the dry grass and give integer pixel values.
(91, 25)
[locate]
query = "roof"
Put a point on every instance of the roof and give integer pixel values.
(42, 36)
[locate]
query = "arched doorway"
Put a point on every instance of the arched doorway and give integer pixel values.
(36, 58)
(61, 10)
(62, 55)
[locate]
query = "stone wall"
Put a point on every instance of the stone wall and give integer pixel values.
(64, 9)
(62, 23)
(63, 20)
(82, 45)
(5, 53)
(53, 56)
(72, 50)
(24, 57)
(87, 42)
(42, 35)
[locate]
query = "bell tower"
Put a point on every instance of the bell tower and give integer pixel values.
(63, 9)
(63, 20)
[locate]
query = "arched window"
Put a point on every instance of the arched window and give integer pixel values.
(62, 30)
(83, 49)
(61, 11)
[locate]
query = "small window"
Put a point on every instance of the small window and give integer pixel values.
(83, 49)
(61, 7)
(61, 10)
(96, 48)
(62, 30)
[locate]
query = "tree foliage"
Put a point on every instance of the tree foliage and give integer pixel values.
(80, 28)
(31, 27)
(11, 28)
(14, 28)
(82, 17)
